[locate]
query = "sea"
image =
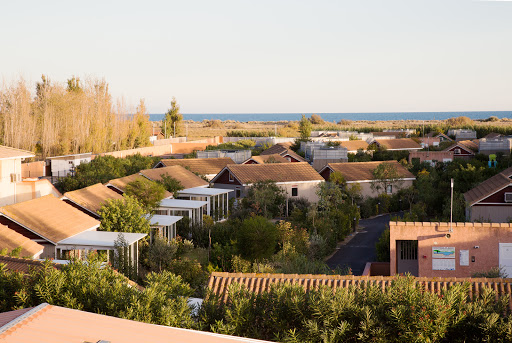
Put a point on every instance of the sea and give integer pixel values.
(271, 117)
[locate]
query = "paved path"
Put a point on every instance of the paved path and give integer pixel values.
(361, 248)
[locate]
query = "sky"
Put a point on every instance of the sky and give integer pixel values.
(274, 56)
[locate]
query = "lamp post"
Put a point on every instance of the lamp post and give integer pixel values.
(451, 205)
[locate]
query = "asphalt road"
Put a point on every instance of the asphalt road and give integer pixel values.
(361, 248)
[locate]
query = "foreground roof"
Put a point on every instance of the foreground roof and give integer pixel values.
(22, 265)
(363, 171)
(277, 172)
(92, 197)
(50, 218)
(489, 186)
(219, 282)
(7, 153)
(101, 238)
(48, 323)
(187, 178)
(10, 240)
(399, 144)
(203, 166)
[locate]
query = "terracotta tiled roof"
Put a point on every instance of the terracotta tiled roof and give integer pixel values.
(489, 186)
(492, 135)
(274, 158)
(122, 182)
(184, 176)
(399, 144)
(50, 218)
(22, 265)
(361, 171)
(202, 166)
(278, 172)
(9, 153)
(260, 283)
(48, 323)
(354, 145)
(6, 317)
(10, 240)
(282, 149)
(473, 145)
(92, 197)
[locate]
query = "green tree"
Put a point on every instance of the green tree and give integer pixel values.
(265, 198)
(171, 184)
(386, 174)
(141, 126)
(172, 123)
(257, 238)
(305, 128)
(126, 215)
(148, 193)
(382, 247)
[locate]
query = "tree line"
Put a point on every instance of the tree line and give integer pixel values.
(75, 117)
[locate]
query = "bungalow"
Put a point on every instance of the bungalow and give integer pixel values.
(283, 149)
(50, 323)
(429, 141)
(491, 200)
(449, 250)
(462, 134)
(397, 144)
(61, 166)
(441, 136)
(500, 144)
(431, 157)
(90, 199)
(11, 240)
(362, 173)
(208, 167)
(61, 228)
(297, 179)
(12, 188)
(463, 149)
(273, 158)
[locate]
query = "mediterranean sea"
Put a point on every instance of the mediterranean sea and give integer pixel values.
(266, 117)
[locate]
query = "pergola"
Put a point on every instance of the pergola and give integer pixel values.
(102, 240)
(166, 225)
(186, 208)
(216, 198)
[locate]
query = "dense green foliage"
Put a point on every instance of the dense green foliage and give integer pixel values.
(403, 313)
(382, 247)
(90, 287)
(123, 215)
(305, 128)
(243, 144)
(246, 133)
(103, 169)
(265, 198)
(149, 193)
(256, 238)
(170, 184)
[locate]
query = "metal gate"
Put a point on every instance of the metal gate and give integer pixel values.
(407, 257)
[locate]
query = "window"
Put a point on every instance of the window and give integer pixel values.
(389, 189)
(457, 151)
(295, 191)
(231, 178)
(508, 197)
(237, 193)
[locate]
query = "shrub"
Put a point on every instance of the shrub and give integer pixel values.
(382, 246)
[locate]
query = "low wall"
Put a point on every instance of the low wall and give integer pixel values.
(33, 169)
(376, 269)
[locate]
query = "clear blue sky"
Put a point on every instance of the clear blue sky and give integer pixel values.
(270, 56)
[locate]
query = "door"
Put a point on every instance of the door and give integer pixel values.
(506, 258)
(407, 257)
